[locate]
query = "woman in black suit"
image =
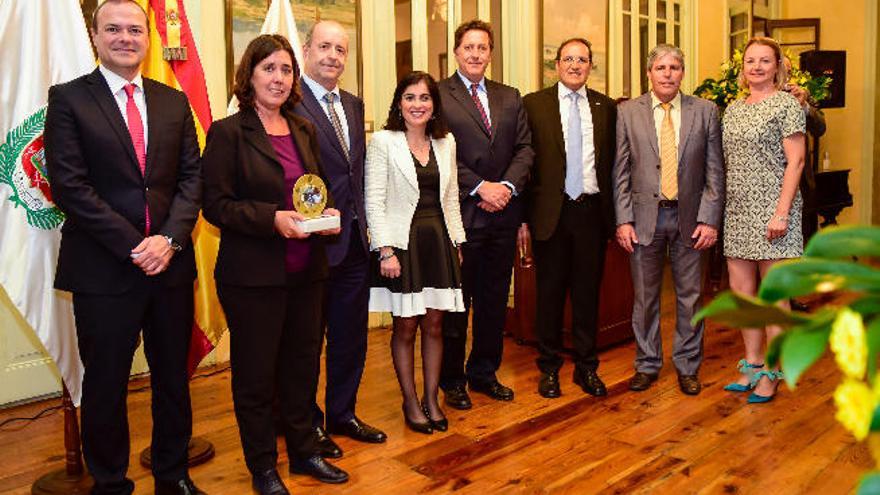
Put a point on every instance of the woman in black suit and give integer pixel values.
(270, 273)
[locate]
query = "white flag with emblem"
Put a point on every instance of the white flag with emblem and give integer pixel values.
(279, 20)
(42, 42)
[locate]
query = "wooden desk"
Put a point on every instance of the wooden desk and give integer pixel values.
(615, 302)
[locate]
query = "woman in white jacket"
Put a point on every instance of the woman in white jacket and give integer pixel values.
(415, 224)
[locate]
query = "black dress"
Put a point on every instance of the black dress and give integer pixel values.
(430, 276)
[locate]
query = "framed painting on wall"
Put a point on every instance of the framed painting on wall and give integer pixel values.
(244, 18)
(560, 22)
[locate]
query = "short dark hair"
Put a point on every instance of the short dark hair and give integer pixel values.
(569, 41)
(474, 25)
(257, 50)
(437, 127)
(101, 6)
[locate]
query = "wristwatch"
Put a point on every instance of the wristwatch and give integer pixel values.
(173, 244)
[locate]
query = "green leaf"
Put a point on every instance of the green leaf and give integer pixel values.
(869, 484)
(872, 330)
(845, 241)
(743, 311)
(800, 349)
(817, 322)
(866, 306)
(792, 278)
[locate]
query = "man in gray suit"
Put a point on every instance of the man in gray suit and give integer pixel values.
(669, 197)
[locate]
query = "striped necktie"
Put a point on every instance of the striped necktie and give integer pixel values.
(330, 98)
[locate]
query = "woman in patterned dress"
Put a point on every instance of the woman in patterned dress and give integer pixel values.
(415, 224)
(763, 137)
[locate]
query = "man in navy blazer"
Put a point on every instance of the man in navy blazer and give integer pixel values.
(494, 157)
(123, 159)
(339, 118)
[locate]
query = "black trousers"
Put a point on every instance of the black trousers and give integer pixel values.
(275, 343)
(571, 260)
(488, 257)
(346, 313)
(107, 328)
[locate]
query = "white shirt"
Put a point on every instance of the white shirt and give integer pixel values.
(588, 147)
(117, 89)
(660, 114)
(319, 92)
(482, 95)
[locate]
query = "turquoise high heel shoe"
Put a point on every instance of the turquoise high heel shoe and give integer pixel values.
(771, 375)
(748, 369)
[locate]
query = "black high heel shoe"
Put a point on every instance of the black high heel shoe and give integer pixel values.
(437, 424)
(425, 427)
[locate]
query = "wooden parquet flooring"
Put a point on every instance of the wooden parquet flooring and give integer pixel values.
(659, 441)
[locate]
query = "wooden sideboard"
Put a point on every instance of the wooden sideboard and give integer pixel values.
(615, 302)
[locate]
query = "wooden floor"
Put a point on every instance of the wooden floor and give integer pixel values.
(659, 441)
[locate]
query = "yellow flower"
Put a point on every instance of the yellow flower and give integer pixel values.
(855, 407)
(849, 343)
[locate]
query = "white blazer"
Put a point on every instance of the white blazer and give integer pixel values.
(392, 189)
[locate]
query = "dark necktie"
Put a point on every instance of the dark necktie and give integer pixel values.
(479, 105)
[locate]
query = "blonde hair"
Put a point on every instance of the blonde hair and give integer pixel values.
(781, 76)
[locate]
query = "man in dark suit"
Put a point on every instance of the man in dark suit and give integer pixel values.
(124, 161)
(570, 212)
(339, 118)
(494, 157)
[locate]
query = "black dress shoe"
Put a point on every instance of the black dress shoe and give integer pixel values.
(325, 446)
(316, 467)
(590, 382)
(641, 381)
(415, 426)
(269, 483)
(179, 487)
(437, 424)
(493, 389)
(689, 384)
(358, 430)
(548, 386)
(457, 397)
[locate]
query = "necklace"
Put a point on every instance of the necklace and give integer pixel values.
(419, 149)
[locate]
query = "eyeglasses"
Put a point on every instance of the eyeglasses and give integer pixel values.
(569, 60)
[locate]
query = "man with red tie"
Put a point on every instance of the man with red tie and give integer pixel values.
(123, 159)
(494, 153)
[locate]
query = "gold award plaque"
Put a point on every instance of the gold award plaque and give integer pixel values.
(309, 195)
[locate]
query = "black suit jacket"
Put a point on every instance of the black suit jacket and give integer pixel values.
(506, 155)
(244, 187)
(345, 179)
(98, 184)
(547, 190)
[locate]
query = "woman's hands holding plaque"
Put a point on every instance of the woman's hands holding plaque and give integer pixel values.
(286, 224)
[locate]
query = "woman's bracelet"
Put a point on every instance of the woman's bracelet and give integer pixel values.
(780, 218)
(383, 257)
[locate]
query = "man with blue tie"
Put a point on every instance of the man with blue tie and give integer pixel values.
(570, 212)
(339, 120)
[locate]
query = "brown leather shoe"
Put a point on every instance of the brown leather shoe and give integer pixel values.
(689, 384)
(642, 381)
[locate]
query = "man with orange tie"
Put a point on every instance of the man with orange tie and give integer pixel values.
(123, 159)
(669, 197)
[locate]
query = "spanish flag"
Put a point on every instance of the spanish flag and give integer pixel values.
(174, 60)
